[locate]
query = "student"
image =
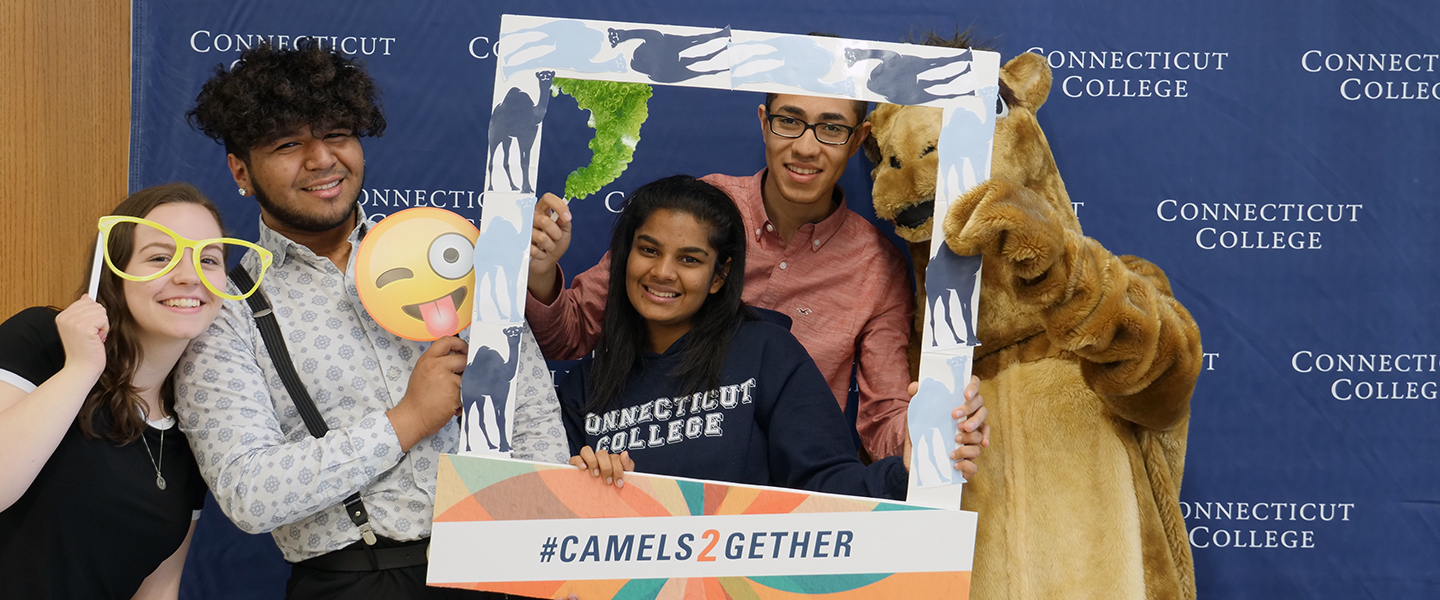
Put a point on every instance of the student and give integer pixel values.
(688, 381)
(291, 121)
(99, 490)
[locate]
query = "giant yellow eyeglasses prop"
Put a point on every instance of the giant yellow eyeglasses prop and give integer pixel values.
(162, 249)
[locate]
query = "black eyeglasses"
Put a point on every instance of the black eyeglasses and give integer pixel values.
(786, 126)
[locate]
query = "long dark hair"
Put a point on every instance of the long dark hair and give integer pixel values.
(624, 335)
(114, 398)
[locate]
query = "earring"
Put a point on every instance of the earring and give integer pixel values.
(242, 192)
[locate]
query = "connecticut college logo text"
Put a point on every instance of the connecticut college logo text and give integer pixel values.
(1379, 75)
(1258, 226)
(1129, 74)
(1372, 376)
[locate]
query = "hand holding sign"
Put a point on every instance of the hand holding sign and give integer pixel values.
(611, 467)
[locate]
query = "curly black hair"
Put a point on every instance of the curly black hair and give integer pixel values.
(272, 93)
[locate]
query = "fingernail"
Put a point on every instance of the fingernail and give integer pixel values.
(620, 483)
(609, 480)
(596, 472)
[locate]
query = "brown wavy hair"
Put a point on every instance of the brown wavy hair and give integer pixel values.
(112, 409)
(272, 93)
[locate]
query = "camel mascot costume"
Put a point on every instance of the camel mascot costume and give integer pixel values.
(1087, 365)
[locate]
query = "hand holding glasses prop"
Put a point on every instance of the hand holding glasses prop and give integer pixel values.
(155, 259)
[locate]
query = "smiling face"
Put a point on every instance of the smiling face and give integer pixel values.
(307, 180)
(414, 272)
(669, 273)
(803, 170)
(175, 306)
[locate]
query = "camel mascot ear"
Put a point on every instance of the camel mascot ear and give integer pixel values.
(1029, 79)
(879, 120)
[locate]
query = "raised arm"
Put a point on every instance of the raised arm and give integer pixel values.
(1141, 348)
(34, 420)
(565, 322)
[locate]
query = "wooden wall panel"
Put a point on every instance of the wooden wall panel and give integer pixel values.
(64, 140)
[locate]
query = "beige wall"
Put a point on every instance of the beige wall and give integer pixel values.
(64, 140)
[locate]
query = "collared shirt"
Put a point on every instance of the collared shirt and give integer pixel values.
(845, 286)
(266, 471)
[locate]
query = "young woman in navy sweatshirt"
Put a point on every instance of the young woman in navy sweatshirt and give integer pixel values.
(688, 381)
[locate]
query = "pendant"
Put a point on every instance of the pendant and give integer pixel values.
(160, 481)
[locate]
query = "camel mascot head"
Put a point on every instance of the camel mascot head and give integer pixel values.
(902, 147)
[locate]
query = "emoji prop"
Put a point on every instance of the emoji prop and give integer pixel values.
(414, 273)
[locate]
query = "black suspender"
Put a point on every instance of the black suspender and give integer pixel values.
(280, 355)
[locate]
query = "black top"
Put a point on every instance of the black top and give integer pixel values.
(93, 524)
(772, 421)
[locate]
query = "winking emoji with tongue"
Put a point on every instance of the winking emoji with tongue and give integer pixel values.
(414, 272)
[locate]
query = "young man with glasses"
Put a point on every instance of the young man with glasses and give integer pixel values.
(291, 122)
(843, 284)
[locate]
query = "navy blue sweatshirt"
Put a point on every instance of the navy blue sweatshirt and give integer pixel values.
(772, 421)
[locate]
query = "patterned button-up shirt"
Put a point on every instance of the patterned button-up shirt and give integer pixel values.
(265, 469)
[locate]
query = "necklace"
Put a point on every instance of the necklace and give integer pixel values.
(159, 479)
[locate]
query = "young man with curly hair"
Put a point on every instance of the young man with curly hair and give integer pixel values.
(291, 123)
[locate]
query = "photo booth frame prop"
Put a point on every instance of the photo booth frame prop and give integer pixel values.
(548, 530)
(532, 51)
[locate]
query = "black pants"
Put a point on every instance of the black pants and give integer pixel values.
(405, 583)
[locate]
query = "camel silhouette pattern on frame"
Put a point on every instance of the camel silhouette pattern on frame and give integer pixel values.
(950, 281)
(488, 377)
(518, 118)
(574, 46)
(967, 136)
(799, 61)
(658, 54)
(495, 259)
(897, 77)
(492, 250)
(931, 427)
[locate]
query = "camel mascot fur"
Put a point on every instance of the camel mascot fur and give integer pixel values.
(1087, 365)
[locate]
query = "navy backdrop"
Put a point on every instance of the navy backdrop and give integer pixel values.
(1277, 159)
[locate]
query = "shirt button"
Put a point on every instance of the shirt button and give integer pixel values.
(817, 242)
(782, 266)
(769, 227)
(394, 373)
(757, 232)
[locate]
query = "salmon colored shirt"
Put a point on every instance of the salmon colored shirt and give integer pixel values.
(843, 284)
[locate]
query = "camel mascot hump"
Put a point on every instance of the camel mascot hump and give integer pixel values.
(1087, 360)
